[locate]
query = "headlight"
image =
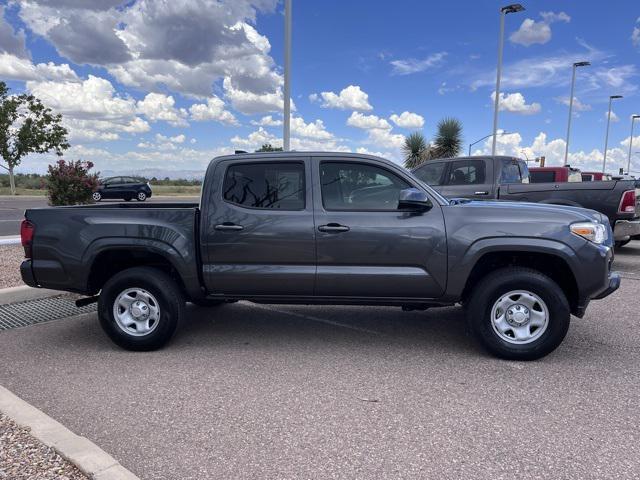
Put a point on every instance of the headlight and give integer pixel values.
(594, 232)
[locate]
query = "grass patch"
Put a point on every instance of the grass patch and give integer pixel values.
(23, 191)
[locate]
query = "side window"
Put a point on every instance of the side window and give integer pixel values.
(355, 186)
(510, 172)
(543, 176)
(266, 185)
(431, 173)
(467, 172)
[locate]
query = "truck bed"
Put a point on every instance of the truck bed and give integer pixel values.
(69, 240)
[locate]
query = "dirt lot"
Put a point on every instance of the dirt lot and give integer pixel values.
(10, 258)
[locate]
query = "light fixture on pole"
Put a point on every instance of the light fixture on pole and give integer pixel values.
(286, 136)
(483, 138)
(573, 81)
(514, 8)
(633, 119)
(606, 137)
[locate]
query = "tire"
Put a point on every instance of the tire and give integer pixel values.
(163, 300)
(530, 292)
(621, 243)
(141, 196)
(96, 196)
(206, 302)
(127, 199)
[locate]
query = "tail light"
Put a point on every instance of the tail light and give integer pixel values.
(27, 229)
(628, 202)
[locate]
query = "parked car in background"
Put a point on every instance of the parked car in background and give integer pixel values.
(125, 188)
(507, 178)
(327, 228)
(554, 174)
(596, 177)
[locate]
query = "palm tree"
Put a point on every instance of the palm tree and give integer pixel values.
(415, 150)
(448, 141)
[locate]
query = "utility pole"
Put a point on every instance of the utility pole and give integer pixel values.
(287, 77)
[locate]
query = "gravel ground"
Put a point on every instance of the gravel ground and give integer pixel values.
(10, 258)
(24, 457)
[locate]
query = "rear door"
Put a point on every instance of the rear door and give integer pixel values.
(367, 248)
(469, 178)
(258, 236)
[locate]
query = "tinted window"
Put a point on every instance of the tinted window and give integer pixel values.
(131, 180)
(542, 177)
(431, 173)
(510, 173)
(353, 186)
(266, 185)
(467, 172)
(587, 177)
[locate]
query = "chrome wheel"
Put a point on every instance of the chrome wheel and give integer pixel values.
(142, 196)
(136, 312)
(519, 317)
(96, 196)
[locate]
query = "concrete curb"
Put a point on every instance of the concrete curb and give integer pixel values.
(25, 293)
(94, 462)
(10, 240)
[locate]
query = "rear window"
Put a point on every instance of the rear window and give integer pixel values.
(431, 173)
(587, 177)
(543, 177)
(266, 185)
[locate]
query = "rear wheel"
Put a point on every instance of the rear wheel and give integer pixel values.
(127, 199)
(140, 308)
(96, 196)
(518, 314)
(141, 196)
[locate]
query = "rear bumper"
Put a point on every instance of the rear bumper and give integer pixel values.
(26, 272)
(625, 229)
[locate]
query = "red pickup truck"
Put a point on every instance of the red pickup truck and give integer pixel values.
(555, 174)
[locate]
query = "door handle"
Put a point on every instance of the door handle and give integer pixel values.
(481, 193)
(228, 226)
(333, 228)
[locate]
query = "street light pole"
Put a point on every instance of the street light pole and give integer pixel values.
(633, 119)
(287, 77)
(573, 82)
(486, 136)
(516, 7)
(606, 137)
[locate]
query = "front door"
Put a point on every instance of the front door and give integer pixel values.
(259, 237)
(366, 246)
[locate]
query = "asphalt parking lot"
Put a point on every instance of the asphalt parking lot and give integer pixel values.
(12, 209)
(250, 391)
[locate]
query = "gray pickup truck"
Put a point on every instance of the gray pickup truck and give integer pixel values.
(507, 178)
(326, 228)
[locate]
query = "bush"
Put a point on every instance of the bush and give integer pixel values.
(70, 183)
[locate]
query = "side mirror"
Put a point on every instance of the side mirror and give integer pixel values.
(414, 200)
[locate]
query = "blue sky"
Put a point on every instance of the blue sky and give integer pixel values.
(163, 86)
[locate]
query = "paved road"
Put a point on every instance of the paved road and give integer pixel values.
(12, 209)
(248, 391)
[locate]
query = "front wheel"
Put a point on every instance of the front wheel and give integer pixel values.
(96, 196)
(518, 314)
(141, 197)
(621, 243)
(140, 308)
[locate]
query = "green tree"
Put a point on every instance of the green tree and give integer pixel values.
(448, 141)
(415, 150)
(27, 126)
(267, 147)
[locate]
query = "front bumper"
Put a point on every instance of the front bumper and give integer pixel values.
(614, 284)
(625, 229)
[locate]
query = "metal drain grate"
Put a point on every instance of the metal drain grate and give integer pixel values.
(41, 310)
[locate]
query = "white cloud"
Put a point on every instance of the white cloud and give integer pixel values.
(11, 42)
(315, 130)
(578, 106)
(175, 139)
(614, 117)
(161, 107)
(267, 121)
(635, 35)
(17, 68)
(516, 103)
(532, 32)
(408, 120)
(367, 122)
(251, 103)
(212, 110)
(413, 65)
(349, 98)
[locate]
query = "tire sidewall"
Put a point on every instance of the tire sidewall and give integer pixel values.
(170, 310)
(96, 194)
(144, 196)
(500, 283)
